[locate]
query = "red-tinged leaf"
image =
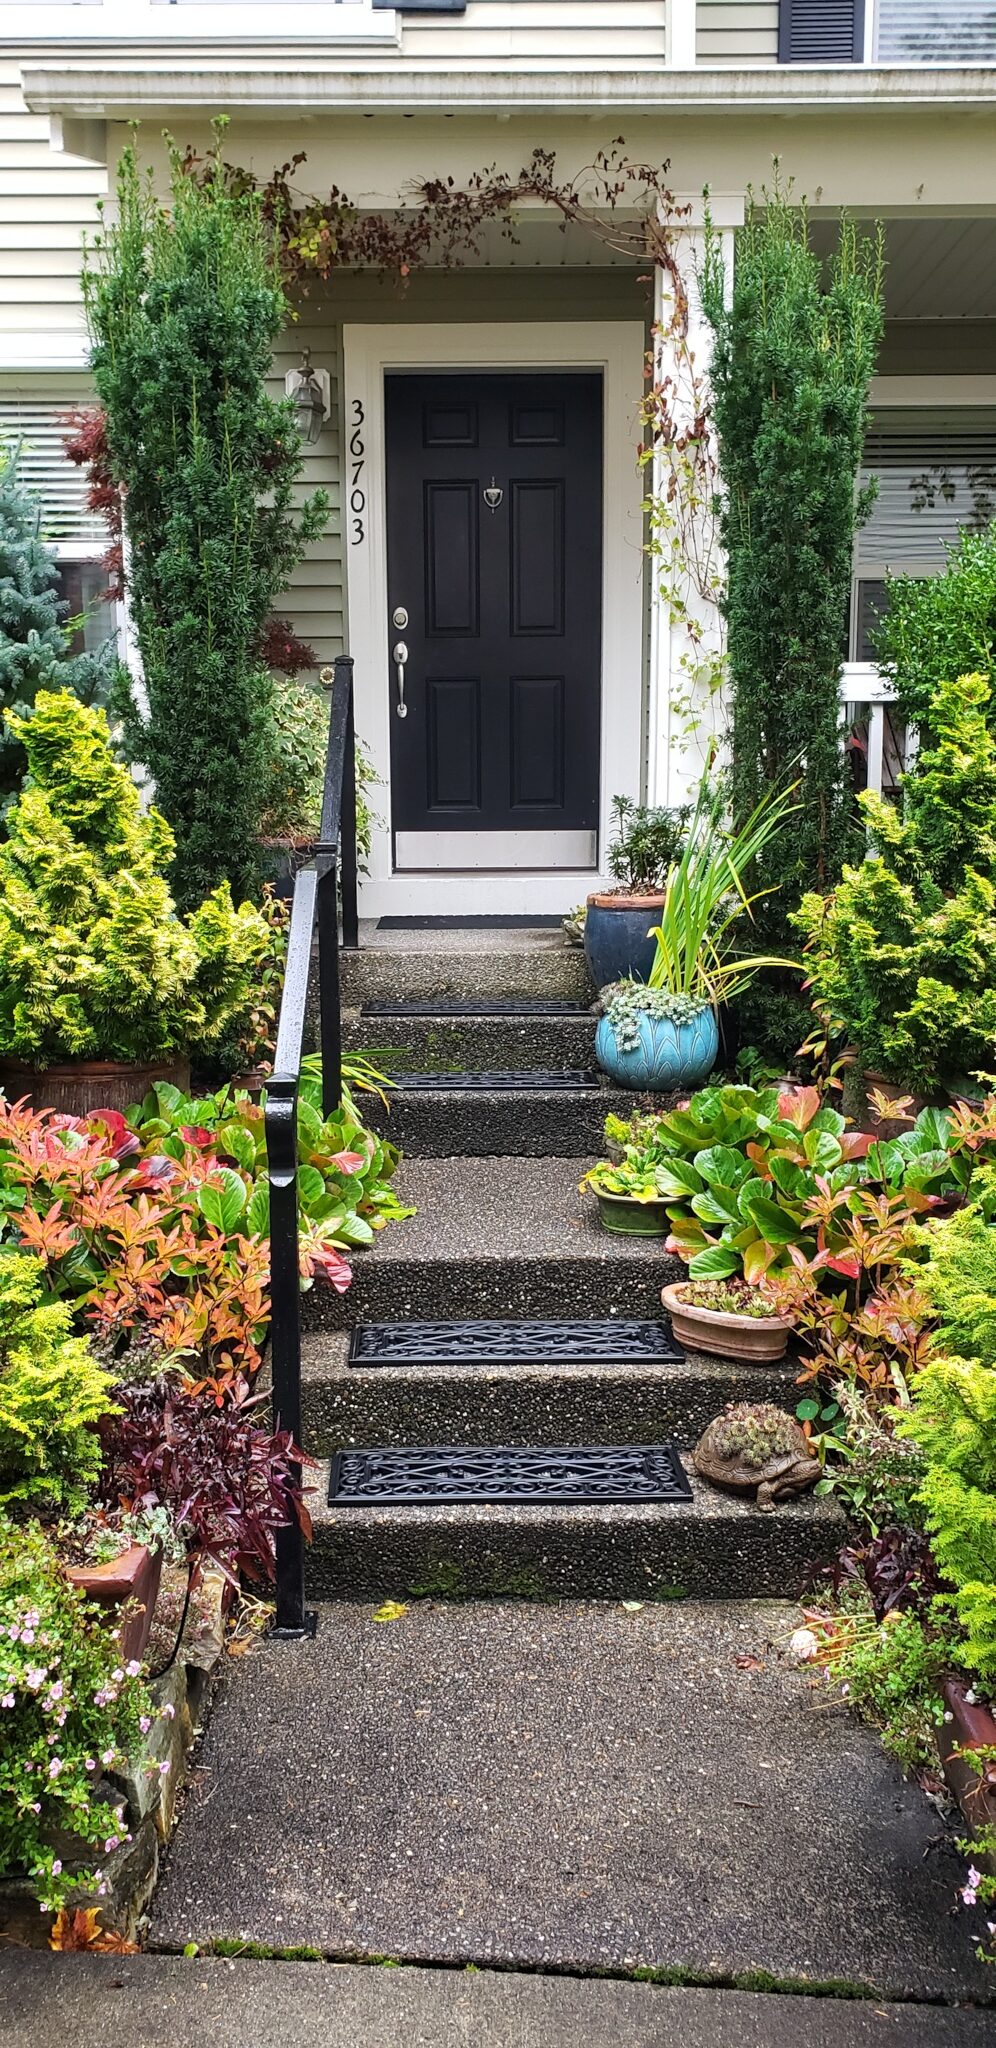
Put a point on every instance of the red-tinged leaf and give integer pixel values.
(759, 1158)
(798, 1106)
(156, 1172)
(855, 1144)
(849, 1267)
(348, 1162)
(195, 1134)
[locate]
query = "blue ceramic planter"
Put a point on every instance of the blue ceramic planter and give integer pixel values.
(668, 1056)
(615, 937)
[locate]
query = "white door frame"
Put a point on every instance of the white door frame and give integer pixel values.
(616, 347)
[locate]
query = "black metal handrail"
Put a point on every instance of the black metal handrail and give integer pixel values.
(316, 893)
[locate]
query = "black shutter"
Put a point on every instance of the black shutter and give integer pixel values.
(821, 31)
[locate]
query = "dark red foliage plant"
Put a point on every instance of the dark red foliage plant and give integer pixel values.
(896, 1568)
(85, 444)
(228, 1483)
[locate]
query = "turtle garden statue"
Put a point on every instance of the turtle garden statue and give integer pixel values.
(756, 1448)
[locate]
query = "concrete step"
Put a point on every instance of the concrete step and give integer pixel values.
(429, 1044)
(506, 1237)
(716, 1546)
(497, 1123)
(424, 964)
(574, 1401)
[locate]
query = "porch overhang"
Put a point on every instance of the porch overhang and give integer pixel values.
(121, 84)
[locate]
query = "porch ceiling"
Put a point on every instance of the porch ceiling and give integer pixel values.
(937, 269)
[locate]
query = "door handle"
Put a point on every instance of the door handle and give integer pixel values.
(399, 657)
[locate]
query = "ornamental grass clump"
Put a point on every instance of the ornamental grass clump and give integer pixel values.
(94, 962)
(70, 1711)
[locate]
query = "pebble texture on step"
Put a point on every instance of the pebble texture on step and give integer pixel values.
(420, 965)
(574, 1788)
(496, 1237)
(567, 1403)
(717, 1546)
(474, 1043)
(500, 1122)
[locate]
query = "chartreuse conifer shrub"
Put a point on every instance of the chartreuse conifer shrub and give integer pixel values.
(903, 951)
(94, 961)
(184, 304)
(52, 1393)
(34, 643)
(794, 352)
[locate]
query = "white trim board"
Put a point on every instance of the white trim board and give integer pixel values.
(616, 348)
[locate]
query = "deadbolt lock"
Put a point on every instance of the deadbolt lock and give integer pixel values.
(399, 617)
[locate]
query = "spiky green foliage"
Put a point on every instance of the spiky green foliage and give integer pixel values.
(185, 304)
(940, 626)
(52, 1393)
(33, 641)
(94, 962)
(954, 1422)
(793, 356)
(904, 951)
(957, 1276)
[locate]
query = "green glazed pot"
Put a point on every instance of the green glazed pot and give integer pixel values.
(626, 1217)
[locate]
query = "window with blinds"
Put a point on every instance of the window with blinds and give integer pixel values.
(45, 470)
(936, 475)
(935, 32)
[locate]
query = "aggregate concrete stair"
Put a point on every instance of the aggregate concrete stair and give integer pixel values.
(717, 1546)
(522, 1035)
(580, 1400)
(496, 1118)
(508, 1237)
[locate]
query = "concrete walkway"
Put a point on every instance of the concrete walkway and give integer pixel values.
(148, 2001)
(577, 1788)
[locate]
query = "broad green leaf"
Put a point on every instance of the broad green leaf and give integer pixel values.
(222, 1199)
(715, 1263)
(720, 1166)
(717, 1205)
(934, 1127)
(678, 1177)
(168, 1098)
(827, 1119)
(808, 1410)
(822, 1151)
(240, 1144)
(793, 1180)
(310, 1187)
(256, 1221)
(777, 1226)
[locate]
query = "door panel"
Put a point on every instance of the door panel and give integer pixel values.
(494, 553)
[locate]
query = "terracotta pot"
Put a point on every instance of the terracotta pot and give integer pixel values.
(81, 1086)
(757, 1338)
(972, 1726)
(134, 1576)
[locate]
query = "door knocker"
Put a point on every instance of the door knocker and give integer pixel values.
(493, 496)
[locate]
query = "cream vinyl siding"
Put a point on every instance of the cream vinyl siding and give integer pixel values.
(574, 35)
(314, 602)
(736, 32)
(47, 202)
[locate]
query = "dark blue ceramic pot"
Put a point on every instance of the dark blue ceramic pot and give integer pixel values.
(615, 937)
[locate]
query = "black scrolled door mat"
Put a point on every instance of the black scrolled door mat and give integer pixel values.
(532, 1080)
(612, 1342)
(541, 1474)
(505, 1006)
(469, 924)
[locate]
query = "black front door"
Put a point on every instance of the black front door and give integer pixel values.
(494, 535)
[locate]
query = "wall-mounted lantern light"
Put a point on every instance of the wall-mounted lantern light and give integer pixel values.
(311, 391)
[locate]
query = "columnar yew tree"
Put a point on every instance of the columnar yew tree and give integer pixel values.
(184, 304)
(794, 354)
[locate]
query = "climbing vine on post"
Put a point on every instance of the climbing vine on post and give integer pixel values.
(793, 358)
(185, 302)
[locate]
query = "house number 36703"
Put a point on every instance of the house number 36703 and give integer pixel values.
(357, 463)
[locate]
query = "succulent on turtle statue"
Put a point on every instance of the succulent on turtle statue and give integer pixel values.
(754, 1447)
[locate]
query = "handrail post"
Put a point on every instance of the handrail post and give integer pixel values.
(329, 996)
(347, 830)
(291, 1621)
